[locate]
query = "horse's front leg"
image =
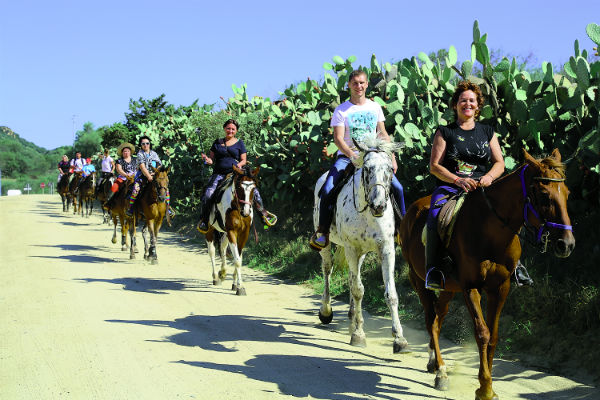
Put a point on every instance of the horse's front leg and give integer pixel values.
(114, 220)
(124, 228)
(223, 242)
(152, 256)
(237, 285)
(357, 290)
(482, 336)
(131, 222)
(146, 241)
(387, 253)
(210, 244)
(326, 313)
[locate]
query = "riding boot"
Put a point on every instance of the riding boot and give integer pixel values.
(204, 215)
(320, 239)
(520, 275)
(434, 279)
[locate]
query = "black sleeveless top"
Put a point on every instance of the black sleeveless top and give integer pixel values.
(468, 152)
(226, 156)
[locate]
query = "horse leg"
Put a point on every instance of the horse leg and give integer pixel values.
(223, 242)
(357, 290)
(131, 223)
(388, 259)
(124, 229)
(152, 256)
(326, 313)
(146, 242)
(114, 220)
(210, 244)
(238, 285)
(482, 336)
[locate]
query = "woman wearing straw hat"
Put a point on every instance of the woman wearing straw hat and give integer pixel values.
(125, 167)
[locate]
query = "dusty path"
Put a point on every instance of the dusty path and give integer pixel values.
(79, 320)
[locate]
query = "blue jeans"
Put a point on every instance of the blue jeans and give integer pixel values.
(337, 172)
(436, 204)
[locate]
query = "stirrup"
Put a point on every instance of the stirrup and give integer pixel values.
(202, 229)
(270, 219)
(318, 243)
(521, 276)
(440, 284)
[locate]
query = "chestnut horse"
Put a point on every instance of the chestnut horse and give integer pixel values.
(117, 206)
(63, 190)
(152, 206)
(485, 248)
(232, 215)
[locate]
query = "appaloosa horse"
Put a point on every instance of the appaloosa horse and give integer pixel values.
(485, 248)
(232, 215)
(364, 222)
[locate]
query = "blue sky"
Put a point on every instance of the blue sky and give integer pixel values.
(63, 63)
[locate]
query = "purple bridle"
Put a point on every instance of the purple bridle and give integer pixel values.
(543, 233)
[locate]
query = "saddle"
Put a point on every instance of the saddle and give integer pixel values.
(445, 221)
(348, 173)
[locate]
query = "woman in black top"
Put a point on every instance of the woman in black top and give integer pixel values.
(464, 156)
(224, 153)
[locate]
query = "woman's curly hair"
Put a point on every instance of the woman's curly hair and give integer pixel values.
(463, 86)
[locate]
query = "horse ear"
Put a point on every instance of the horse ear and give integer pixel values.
(237, 170)
(556, 155)
(527, 157)
(255, 172)
(168, 169)
(155, 170)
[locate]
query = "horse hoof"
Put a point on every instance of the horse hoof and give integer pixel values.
(358, 341)
(400, 345)
(114, 241)
(132, 256)
(325, 319)
(216, 282)
(154, 261)
(441, 383)
(431, 367)
(241, 291)
(123, 248)
(480, 396)
(234, 287)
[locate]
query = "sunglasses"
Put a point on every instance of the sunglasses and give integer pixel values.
(143, 143)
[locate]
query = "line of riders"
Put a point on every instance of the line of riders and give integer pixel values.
(465, 154)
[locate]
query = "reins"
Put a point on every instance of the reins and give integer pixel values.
(543, 234)
(367, 190)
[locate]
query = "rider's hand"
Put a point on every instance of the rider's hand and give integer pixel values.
(466, 184)
(485, 181)
(356, 160)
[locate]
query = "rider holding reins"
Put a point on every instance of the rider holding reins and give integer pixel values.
(355, 119)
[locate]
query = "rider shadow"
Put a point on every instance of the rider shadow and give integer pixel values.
(72, 247)
(303, 376)
(153, 286)
(79, 258)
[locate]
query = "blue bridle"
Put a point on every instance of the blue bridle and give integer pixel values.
(543, 233)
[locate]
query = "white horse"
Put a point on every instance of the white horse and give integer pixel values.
(233, 217)
(363, 222)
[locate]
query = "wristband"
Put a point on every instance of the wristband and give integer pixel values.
(456, 180)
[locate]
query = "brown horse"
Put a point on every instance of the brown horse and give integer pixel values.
(485, 249)
(77, 176)
(63, 190)
(232, 215)
(102, 193)
(153, 207)
(117, 207)
(86, 194)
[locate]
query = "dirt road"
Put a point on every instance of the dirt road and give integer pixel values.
(79, 320)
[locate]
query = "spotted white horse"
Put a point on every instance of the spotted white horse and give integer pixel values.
(232, 216)
(363, 222)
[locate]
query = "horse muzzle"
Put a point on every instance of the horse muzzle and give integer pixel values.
(563, 247)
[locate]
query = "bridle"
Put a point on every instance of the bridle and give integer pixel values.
(237, 198)
(159, 188)
(541, 233)
(368, 189)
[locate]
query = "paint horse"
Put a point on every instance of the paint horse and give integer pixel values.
(363, 222)
(232, 215)
(152, 206)
(485, 248)
(63, 190)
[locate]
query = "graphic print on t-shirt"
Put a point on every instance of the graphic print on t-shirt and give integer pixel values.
(361, 124)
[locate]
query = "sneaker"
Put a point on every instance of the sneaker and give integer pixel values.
(319, 241)
(521, 276)
(434, 280)
(171, 212)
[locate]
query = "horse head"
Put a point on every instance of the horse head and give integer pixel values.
(376, 174)
(546, 203)
(244, 182)
(161, 182)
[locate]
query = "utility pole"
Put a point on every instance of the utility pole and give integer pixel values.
(73, 118)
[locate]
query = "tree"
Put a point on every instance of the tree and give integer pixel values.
(89, 141)
(114, 135)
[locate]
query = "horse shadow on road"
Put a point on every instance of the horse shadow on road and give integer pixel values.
(78, 258)
(153, 286)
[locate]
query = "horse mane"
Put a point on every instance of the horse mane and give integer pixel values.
(382, 145)
(553, 164)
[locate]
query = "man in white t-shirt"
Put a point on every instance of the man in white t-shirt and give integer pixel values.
(357, 118)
